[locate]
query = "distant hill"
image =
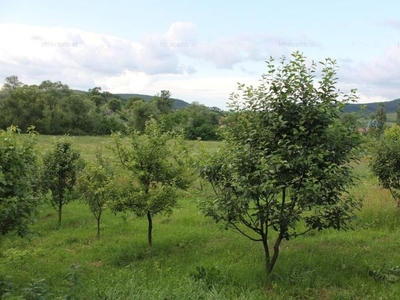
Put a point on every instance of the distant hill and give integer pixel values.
(391, 107)
(178, 103)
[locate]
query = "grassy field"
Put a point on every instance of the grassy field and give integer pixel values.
(194, 258)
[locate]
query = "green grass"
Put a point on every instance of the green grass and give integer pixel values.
(194, 258)
(88, 146)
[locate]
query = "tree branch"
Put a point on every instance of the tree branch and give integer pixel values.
(245, 234)
(249, 225)
(302, 233)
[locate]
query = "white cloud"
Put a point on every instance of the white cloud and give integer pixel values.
(227, 52)
(224, 53)
(180, 60)
(83, 59)
(376, 80)
(181, 32)
(126, 82)
(40, 48)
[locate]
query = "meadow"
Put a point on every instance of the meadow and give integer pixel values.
(194, 258)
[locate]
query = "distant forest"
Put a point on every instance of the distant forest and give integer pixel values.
(370, 108)
(54, 108)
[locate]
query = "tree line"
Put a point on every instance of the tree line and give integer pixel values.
(54, 108)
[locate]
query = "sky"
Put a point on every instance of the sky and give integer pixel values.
(198, 50)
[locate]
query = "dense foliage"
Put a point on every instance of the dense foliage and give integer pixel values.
(56, 109)
(385, 163)
(285, 166)
(18, 172)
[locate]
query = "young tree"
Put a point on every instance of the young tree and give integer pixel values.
(97, 187)
(158, 170)
(286, 158)
(60, 169)
(18, 170)
(385, 163)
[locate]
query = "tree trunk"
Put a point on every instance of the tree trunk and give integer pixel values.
(150, 229)
(272, 260)
(98, 227)
(266, 253)
(60, 205)
(59, 215)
